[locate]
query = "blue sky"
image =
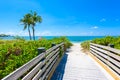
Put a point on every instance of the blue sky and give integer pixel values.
(62, 17)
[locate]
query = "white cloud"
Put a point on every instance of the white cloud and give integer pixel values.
(103, 20)
(95, 27)
(44, 33)
(22, 33)
(1, 32)
(10, 33)
(14, 33)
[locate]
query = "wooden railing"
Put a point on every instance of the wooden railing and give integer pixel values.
(39, 68)
(109, 56)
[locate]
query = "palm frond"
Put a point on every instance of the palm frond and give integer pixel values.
(25, 26)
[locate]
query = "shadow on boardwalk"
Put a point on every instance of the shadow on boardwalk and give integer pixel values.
(59, 72)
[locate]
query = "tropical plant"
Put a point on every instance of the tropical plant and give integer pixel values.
(104, 41)
(26, 20)
(35, 19)
(85, 45)
(15, 53)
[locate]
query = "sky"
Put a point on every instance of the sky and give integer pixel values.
(62, 17)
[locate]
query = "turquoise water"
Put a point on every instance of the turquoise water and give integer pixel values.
(71, 38)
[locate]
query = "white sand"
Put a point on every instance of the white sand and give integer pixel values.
(80, 66)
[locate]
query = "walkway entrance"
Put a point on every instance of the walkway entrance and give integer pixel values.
(76, 65)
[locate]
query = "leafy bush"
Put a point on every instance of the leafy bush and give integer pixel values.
(15, 53)
(85, 45)
(19, 38)
(104, 41)
(108, 40)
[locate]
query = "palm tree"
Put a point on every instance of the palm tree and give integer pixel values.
(26, 20)
(35, 19)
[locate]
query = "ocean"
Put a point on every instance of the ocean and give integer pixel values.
(74, 39)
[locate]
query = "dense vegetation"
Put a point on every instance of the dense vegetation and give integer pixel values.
(103, 41)
(85, 45)
(15, 53)
(4, 35)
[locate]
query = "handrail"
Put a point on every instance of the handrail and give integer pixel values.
(109, 56)
(38, 67)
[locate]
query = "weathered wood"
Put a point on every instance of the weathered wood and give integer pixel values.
(99, 49)
(33, 72)
(99, 53)
(54, 47)
(37, 76)
(114, 56)
(107, 52)
(48, 69)
(51, 54)
(20, 71)
(107, 55)
(113, 61)
(38, 67)
(107, 48)
(114, 67)
(48, 64)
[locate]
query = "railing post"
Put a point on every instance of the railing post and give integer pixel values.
(111, 45)
(53, 44)
(41, 50)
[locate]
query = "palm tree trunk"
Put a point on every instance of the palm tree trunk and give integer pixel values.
(33, 32)
(29, 33)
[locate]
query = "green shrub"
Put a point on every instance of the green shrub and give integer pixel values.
(15, 53)
(85, 45)
(103, 41)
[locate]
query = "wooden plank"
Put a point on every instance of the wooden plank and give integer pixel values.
(51, 49)
(37, 76)
(108, 48)
(114, 67)
(107, 62)
(114, 56)
(54, 67)
(100, 58)
(48, 70)
(108, 69)
(107, 52)
(20, 71)
(48, 64)
(51, 54)
(52, 59)
(99, 49)
(107, 57)
(114, 61)
(33, 71)
(42, 71)
(99, 53)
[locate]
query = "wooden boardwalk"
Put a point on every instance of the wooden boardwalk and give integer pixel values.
(76, 65)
